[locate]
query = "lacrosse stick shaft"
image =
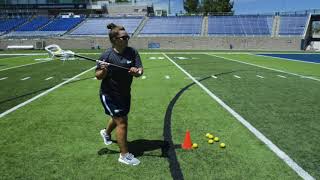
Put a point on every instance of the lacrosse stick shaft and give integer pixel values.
(91, 59)
(55, 50)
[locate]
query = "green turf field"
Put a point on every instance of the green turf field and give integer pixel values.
(57, 136)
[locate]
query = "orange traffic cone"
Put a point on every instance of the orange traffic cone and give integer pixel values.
(187, 144)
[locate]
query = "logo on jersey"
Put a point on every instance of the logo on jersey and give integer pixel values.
(117, 110)
(129, 62)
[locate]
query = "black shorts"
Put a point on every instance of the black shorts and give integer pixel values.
(115, 106)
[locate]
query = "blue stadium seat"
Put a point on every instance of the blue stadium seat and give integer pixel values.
(62, 24)
(9, 24)
(240, 25)
(176, 25)
(293, 25)
(98, 26)
(34, 24)
(35, 33)
(42, 26)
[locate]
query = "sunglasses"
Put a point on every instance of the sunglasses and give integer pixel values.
(123, 37)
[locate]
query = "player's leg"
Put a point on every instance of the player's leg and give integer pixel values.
(122, 129)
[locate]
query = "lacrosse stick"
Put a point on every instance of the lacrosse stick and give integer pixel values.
(55, 51)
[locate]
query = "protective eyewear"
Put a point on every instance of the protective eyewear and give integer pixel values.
(123, 37)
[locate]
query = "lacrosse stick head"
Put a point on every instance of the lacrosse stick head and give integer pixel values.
(55, 51)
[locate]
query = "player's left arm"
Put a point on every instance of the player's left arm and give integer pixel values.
(137, 70)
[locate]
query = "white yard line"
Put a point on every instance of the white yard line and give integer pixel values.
(65, 79)
(260, 76)
(22, 65)
(48, 78)
(23, 79)
(43, 93)
(237, 76)
(291, 163)
(215, 77)
(281, 76)
(312, 78)
(3, 78)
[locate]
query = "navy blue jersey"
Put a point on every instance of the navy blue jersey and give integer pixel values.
(117, 81)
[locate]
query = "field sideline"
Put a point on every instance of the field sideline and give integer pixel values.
(57, 135)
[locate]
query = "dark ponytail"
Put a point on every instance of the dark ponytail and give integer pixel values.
(111, 26)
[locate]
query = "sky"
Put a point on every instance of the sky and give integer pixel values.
(270, 6)
(252, 6)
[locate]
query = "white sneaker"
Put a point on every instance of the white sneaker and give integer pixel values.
(128, 159)
(106, 138)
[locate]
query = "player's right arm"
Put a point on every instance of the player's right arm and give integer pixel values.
(101, 71)
(102, 65)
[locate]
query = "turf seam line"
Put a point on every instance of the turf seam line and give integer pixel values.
(6, 58)
(272, 69)
(26, 54)
(204, 52)
(21, 66)
(282, 155)
(43, 93)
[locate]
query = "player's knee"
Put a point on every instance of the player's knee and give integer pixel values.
(122, 125)
(120, 121)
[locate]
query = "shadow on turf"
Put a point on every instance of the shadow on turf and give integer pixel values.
(140, 146)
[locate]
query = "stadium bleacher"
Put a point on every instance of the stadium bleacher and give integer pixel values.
(236, 25)
(35, 33)
(42, 26)
(9, 24)
(240, 25)
(293, 25)
(62, 24)
(98, 26)
(181, 25)
(34, 24)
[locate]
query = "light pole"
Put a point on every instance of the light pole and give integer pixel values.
(169, 11)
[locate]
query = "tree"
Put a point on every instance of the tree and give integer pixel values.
(316, 27)
(191, 6)
(217, 6)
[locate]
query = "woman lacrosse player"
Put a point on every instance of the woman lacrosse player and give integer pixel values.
(115, 88)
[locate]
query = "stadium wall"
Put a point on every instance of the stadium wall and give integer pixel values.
(178, 43)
